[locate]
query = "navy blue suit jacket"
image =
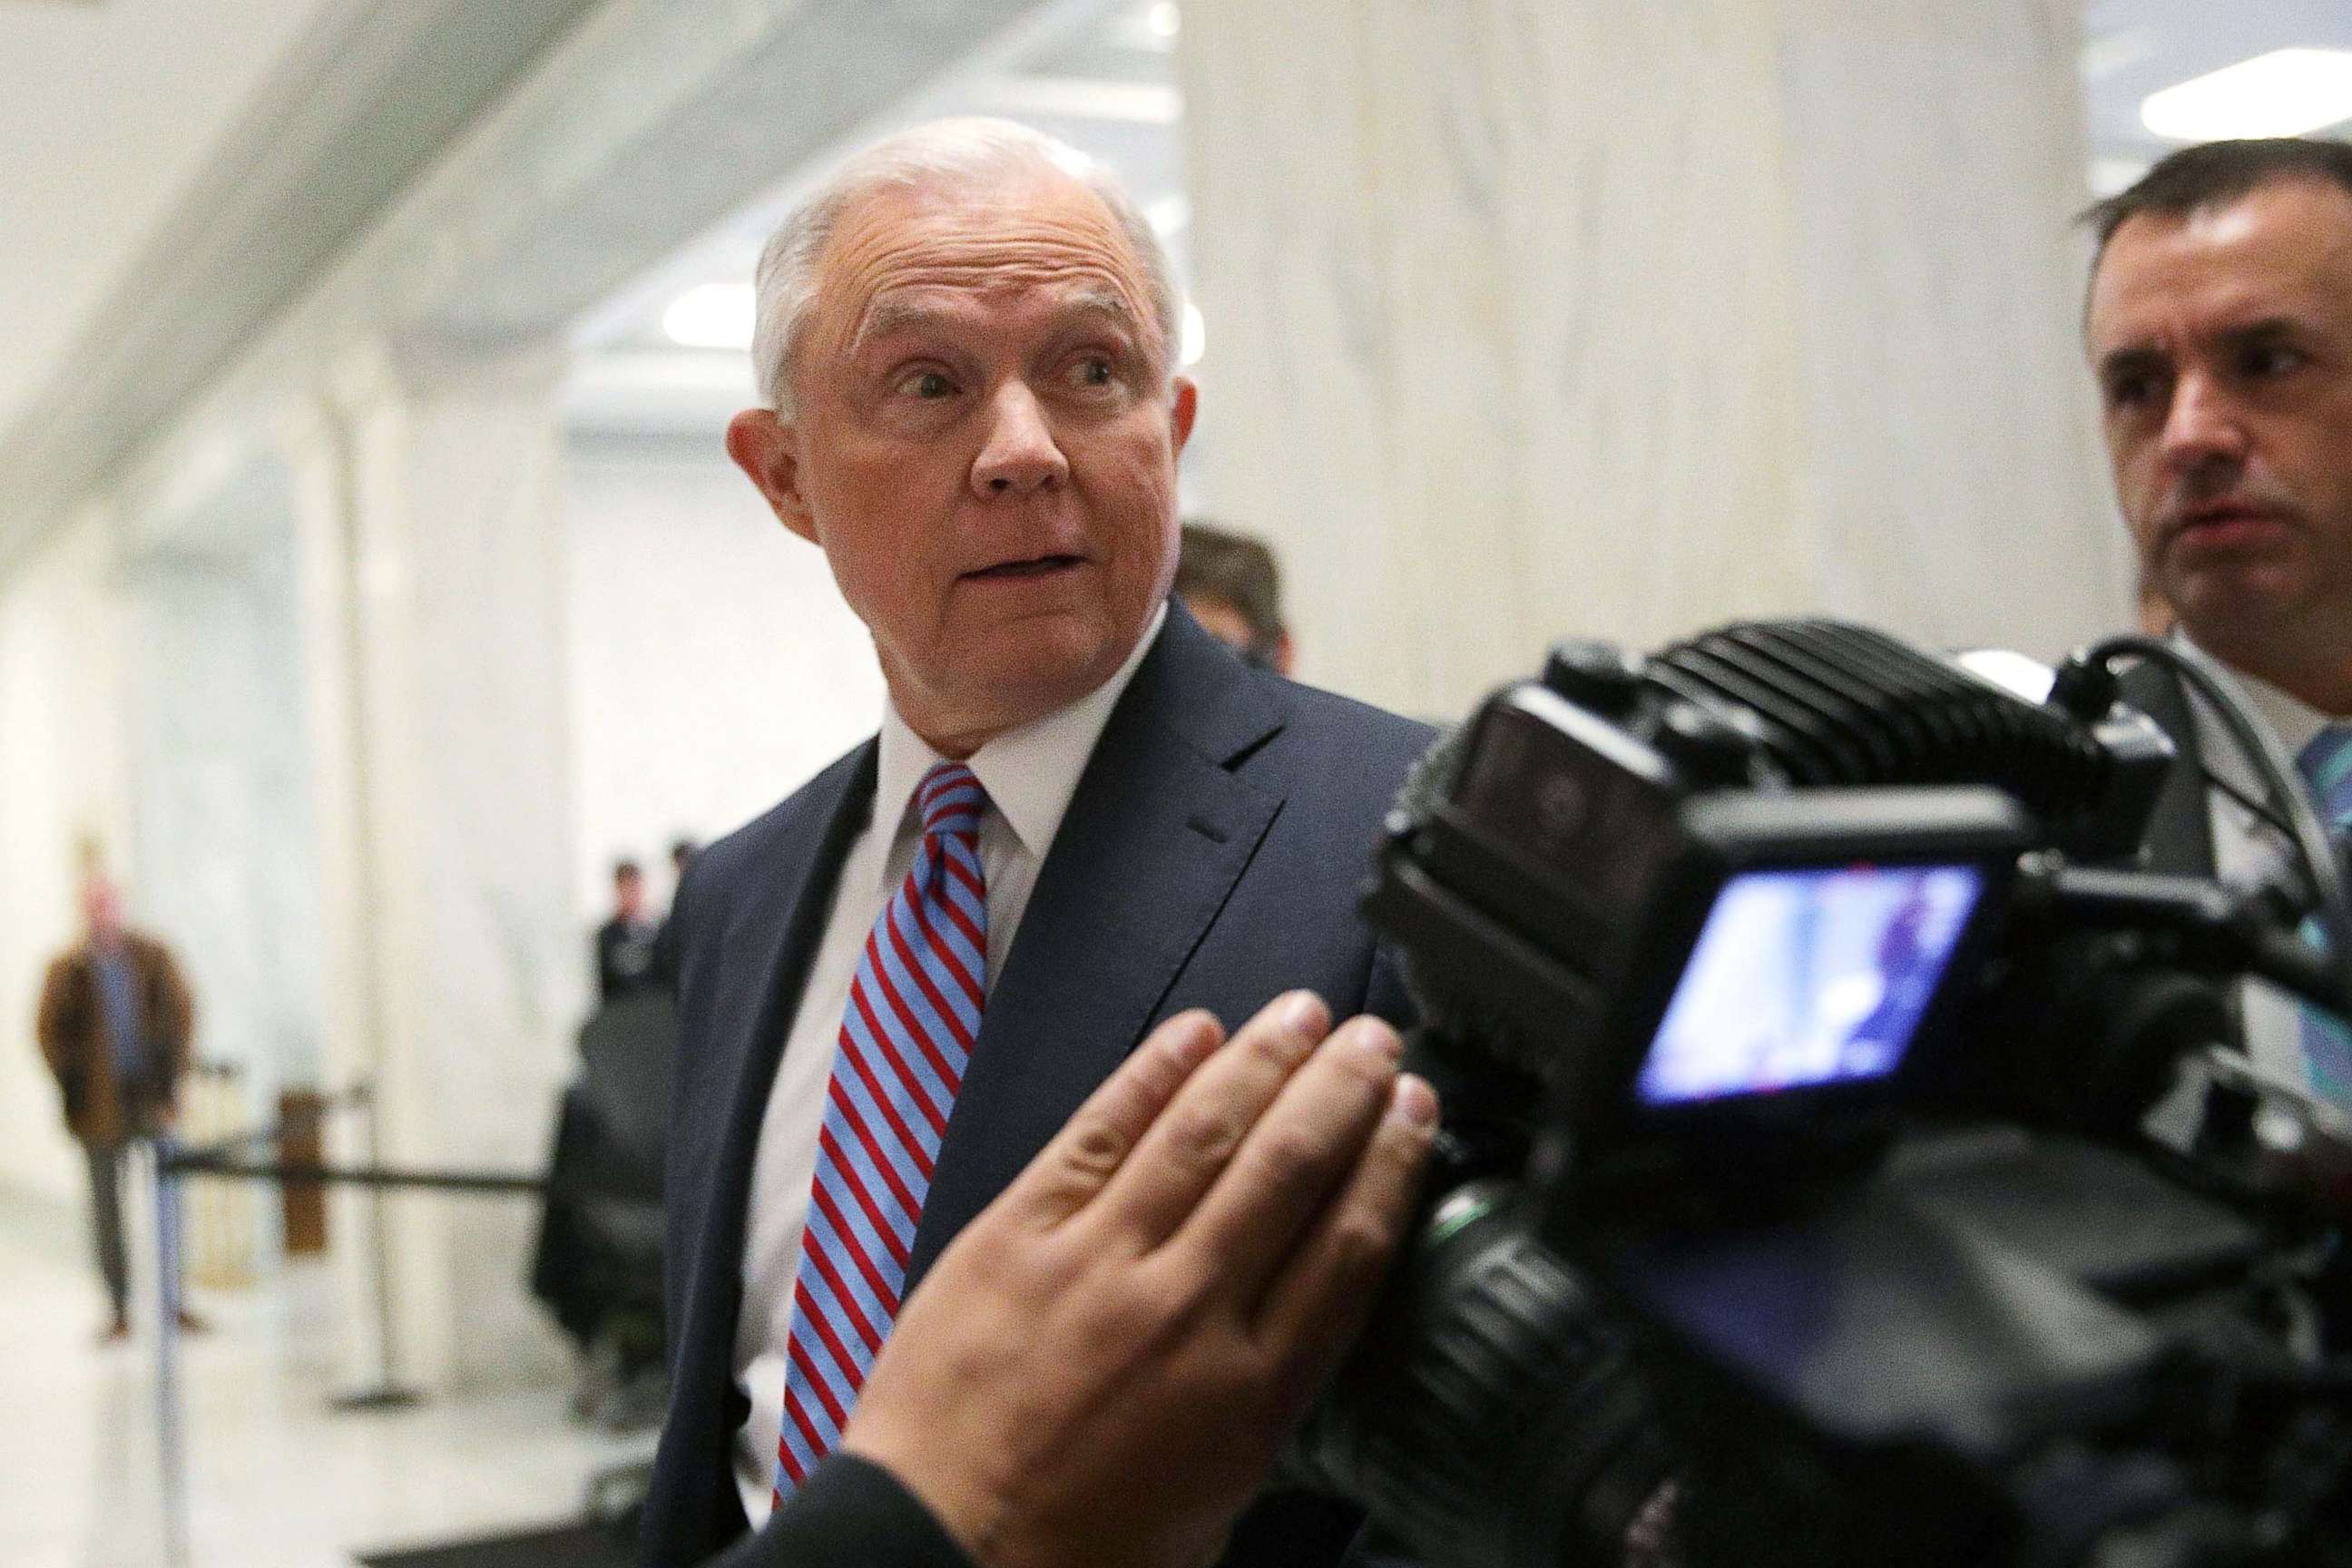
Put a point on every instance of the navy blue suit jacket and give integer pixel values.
(1211, 857)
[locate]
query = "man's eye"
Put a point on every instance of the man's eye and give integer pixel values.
(2130, 391)
(928, 385)
(1092, 370)
(2269, 359)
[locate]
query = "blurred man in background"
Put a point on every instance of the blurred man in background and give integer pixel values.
(2220, 328)
(116, 1026)
(625, 943)
(1233, 588)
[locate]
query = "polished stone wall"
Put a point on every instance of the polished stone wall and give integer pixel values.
(1605, 318)
(714, 666)
(225, 850)
(429, 559)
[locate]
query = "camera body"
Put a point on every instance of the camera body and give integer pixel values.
(1790, 1206)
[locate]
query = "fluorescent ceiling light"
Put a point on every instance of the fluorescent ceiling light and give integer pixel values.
(1196, 337)
(712, 316)
(1165, 19)
(2286, 92)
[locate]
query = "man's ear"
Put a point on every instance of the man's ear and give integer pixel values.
(769, 451)
(1187, 406)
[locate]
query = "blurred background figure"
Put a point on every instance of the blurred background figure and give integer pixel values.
(1233, 588)
(597, 1264)
(115, 1026)
(625, 943)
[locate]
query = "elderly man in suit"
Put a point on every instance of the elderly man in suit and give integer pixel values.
(2220, 329)
(1082, 815)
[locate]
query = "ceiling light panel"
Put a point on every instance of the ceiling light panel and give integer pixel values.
(711, 316)
(2287, 92)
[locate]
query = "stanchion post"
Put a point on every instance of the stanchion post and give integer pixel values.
(388, 1392)
(170, 1430)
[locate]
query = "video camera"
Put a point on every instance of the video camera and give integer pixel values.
(1799, 1005)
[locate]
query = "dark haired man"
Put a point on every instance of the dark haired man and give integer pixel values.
(625, 943)
(1233, 588)
(2220, 327)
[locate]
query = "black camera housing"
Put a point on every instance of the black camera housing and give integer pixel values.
(1931, 1304)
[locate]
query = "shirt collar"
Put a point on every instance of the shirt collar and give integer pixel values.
(1030, 773)
(2294, 722)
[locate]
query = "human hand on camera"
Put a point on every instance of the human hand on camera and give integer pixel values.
(1100, 1369)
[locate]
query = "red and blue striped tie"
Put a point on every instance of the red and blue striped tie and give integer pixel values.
(2327, 766)
(914, 1012)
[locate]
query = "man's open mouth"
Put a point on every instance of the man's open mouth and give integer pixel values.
(1036, 566)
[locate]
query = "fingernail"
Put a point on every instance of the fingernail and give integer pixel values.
(1198, 1039)
(1414, 1103)
(1375, 1039)
(1302, 1013)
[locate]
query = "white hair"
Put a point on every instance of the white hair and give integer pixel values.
(942, 152)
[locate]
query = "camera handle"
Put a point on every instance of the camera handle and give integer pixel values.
(2217, 933)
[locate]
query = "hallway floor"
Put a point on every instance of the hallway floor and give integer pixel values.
(276, 1479)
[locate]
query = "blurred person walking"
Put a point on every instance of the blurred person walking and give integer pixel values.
(116, 1025)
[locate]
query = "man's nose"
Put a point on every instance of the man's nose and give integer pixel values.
(1020, 454)
(2203, 428)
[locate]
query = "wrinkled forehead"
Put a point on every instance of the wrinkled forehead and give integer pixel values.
(2282, 248)
(1028, 243)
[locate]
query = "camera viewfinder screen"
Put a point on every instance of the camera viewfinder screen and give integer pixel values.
(1808, 977)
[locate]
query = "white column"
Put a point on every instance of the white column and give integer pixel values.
(1538, 317)
(432, 581)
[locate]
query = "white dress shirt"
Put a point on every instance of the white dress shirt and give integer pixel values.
(1030, 774)
(2248, 854)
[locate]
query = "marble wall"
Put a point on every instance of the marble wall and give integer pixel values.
(1591, 317)
(225, 845)
(713, 664)
(223, 835)
(429, 559)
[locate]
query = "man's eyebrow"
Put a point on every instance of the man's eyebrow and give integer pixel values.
(1107, 302)
(2131, 356)
(2266, 327)
(892, 314)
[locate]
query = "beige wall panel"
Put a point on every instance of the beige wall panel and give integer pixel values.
(1533, 318)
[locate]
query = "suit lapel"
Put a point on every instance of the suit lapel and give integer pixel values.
(771, 941)
(2180, 828)
(1158, 831)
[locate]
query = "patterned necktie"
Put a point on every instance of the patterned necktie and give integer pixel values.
(914, 1012)
(2326, 767)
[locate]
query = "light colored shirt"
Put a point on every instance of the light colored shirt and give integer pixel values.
(1030, 774)
(118, 995)
(2248, 854)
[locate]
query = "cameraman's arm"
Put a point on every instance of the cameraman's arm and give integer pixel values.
(851, 1513)
(1100, 1369)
